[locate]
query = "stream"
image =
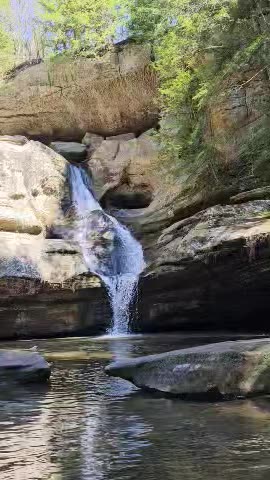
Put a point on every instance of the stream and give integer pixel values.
(87, 426)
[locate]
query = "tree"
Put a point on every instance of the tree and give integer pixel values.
(22, 30)
(6, 52)
(81, 27)
(6, 43)
(197, 45)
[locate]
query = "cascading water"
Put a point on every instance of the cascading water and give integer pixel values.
(82, 197)
(108, 248)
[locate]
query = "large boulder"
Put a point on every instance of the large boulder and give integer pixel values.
(23, 366)
(109, 95)
(32, 184)
(229, 369)
(92, 141)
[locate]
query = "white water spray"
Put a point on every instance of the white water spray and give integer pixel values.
(108, 248)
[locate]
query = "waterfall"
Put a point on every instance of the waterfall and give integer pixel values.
(82, 197)
(108, 248)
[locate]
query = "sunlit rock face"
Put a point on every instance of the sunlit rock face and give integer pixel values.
(44, 283)
(33, 186)
(32, 181)
(62, 100)
(237, 110)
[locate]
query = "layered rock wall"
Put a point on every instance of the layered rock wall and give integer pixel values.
(65, 99)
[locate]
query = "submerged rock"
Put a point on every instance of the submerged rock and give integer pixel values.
(23, 366)
(228, 369)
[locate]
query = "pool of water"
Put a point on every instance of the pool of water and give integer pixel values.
(87, 426)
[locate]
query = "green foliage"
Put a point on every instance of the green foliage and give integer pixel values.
(6, 47)
(146, 20)
(81, 27)
(255, 152)
(6, 52)
(198, 44)
(22, 36)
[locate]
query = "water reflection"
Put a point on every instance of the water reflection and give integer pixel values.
(24, 434)
(90, 427)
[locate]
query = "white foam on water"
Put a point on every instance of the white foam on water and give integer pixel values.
(124, 263)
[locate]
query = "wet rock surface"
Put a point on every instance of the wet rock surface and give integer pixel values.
(228, 369)
(45, 286)
(23, 367)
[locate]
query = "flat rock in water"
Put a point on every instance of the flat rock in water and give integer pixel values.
(23, 366)
(227, 369)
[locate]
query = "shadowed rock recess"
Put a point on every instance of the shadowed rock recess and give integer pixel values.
(207, 247)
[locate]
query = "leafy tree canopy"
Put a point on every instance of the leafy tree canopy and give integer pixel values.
(81, 27)
(197, 45)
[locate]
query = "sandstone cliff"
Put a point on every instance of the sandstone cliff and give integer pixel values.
(53, 100)
(206, 244)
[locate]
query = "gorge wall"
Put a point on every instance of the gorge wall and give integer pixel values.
(206, 246)
(63, 99)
